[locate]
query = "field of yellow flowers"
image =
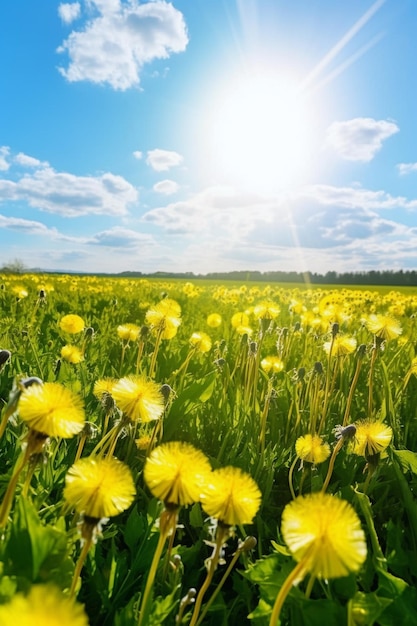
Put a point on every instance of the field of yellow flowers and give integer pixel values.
(194, 453)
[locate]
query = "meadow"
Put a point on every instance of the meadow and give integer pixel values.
(195, 453)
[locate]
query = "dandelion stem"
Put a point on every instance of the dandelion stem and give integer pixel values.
(221, 536)
(290, 477)
(285, 589)
(80, 563)
(335, 452)
(6, 505)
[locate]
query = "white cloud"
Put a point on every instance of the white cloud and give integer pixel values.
(163, 160)
(406, 168)
(114, 46)
(69, 11)
(28, 161)
(138, 154)
(166, 187)
(4, 153)
(71, 196)
(31, 227)
(119, 237)
(361, 138)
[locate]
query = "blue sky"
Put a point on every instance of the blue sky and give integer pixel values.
(208, 135)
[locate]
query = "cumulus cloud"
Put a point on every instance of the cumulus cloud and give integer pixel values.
(31, 227)
(163, 160)
(166, 187)
(4, 153)
(119, 237)
(28, 161)
(120, 39)
(68, 195)
(406, 168)
(69, 11)
(361, 138)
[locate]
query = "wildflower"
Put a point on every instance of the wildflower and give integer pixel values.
(165, 318)
(72, 354)
(104, 386)
(143, 443)
(244, 330)
(201, 341)
(52, 409)
(44, 604)
(272, 364)
(72, 324)
(266, 311)
(340, 346)
(214, 320)
(312, 449)
(231, 496)
(324, 532)
(128, 332)
(385, 327)
(99, 487)
(371, 438)
(240, 319)
(140, 399)
(175, 472)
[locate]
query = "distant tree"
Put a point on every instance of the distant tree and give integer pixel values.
(13, 267)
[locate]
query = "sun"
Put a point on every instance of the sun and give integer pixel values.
(261, 133)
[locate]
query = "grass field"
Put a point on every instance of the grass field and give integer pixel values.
(200, 453)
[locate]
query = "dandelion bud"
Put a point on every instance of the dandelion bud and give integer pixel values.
(284, 332)
(301, 373)
(248, 544)
(220, 363)
(253, 347)
(297, 327)
(89, 332)
(166, 391)
(318, 367)
(335, 329)
(4, 356)
(361, 351)
(42, 294)
(345, 432)
(32, 380)
(57, 368)
(144, 332)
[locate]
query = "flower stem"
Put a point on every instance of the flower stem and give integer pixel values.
(80, 563)
(284, 591)
(6, 505)
(335, 452)
(221, 536)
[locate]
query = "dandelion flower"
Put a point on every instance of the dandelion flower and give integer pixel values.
(128, 332)
(214, 320)
(325, 533)
(341, 346)
(72, 324)
(72, 354)
(165, 318)
(272, 364)
(384, 327)
(45, 605)
(52, 409)
(201, 341)
(104, 386)
(175, 472)
(240, 319)
(99, 487)
(231, 496)
(266, 311)
(371, 438)
(140, 399)
(244, 330)
(312, 449)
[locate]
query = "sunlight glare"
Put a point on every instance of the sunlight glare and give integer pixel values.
(260, 133)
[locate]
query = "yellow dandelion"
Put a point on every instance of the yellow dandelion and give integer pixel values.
(231, 496)
(201, 341)
(341, 346)
(140, 399)
(214, 320)
(240, 319)
(324, 532)
(104, 386)
(143, 443)
(312, 449)
(164, 318)
(128, 332)
(244, 330)
(272, 364)
(44, 605)
(72, 324)
(176, 472)
(384, 327)
(52, 409)
(266, 311)
(72, 354)
(99, 487)
(371, 438)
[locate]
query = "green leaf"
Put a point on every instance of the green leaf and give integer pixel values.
(407, 460)
(365, 608)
